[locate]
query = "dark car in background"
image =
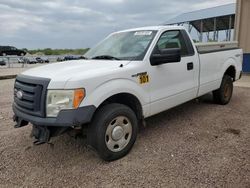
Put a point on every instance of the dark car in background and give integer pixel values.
(60, 59)
(31, 60)
(70, 57)
(42, 60)
(11, 50)
(2, 62)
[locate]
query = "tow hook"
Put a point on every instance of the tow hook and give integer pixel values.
(41, 135)
(19, 122)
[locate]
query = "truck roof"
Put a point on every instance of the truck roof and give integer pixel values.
(157, 28)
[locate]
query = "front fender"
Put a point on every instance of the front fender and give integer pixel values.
(116, 86)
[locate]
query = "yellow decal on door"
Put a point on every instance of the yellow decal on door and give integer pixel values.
(143, 78)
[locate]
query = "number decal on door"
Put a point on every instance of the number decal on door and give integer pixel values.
(143, 79)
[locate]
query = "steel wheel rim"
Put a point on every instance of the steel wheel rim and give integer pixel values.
(118, 134)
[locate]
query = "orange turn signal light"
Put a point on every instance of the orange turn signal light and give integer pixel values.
(79, 95)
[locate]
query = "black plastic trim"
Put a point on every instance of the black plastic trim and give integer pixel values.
(38, 86)
(188, 43)
(219, 50)
(65, 118)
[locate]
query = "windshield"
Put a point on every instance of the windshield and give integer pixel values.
(132, 45)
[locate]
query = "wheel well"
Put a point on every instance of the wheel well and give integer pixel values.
(231, 72)
(128, 100)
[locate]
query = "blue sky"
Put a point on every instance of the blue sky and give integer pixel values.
(82, 23)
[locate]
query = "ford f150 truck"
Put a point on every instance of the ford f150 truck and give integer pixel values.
(129, 76)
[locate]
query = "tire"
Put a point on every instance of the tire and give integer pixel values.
(113, 131)
(224, 94)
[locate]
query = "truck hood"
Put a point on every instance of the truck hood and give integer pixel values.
(64, 71)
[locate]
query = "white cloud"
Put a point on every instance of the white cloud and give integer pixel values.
(14, 20)
(112, 1)
(80, 23)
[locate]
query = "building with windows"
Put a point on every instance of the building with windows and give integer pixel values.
(230, 21)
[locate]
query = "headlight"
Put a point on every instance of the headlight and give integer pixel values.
(58, 100)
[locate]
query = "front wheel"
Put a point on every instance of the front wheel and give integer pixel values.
(113, 131)
(224, 94)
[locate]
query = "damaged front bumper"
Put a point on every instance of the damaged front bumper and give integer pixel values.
(45, 127)
(65, 118)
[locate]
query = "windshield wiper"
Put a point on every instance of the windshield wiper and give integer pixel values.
(109, 57)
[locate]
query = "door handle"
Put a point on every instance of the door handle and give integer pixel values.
(190, 66)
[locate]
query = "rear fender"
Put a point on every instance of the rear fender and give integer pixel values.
(230, 62)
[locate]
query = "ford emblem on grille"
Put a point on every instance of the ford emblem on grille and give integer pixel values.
(19, 94)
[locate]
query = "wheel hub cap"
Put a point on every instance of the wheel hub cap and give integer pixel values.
(117, 133)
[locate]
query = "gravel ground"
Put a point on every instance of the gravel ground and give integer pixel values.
(198, 144)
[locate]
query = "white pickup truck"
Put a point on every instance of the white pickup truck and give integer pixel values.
(129, 76)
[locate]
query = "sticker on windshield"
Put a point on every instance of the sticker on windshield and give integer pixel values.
(143, 33)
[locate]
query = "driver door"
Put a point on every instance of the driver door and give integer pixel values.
(176, 82)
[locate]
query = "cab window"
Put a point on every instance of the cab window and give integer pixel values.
(172, 39)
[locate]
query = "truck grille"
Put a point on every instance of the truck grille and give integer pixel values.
(30, 95)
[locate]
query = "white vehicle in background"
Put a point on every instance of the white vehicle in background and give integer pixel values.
(129, 76)
(27, 60)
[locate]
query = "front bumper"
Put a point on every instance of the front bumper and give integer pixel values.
(65, 118)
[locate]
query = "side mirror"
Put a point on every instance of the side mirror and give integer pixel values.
(165, 56)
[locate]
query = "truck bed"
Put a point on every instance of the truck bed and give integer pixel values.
(215, 46)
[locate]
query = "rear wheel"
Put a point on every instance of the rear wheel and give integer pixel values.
(113, 131)
(223, 95)
(4, 54)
